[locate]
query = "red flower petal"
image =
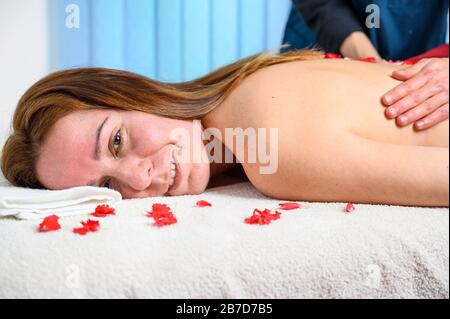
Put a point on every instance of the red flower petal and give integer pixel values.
(169, 220)
(276, 215)
(103, 211)
(349, 208)
(162, 215)
(161, 209)
(262, 217)
(91, 225)
(157, 215)
(88, 225)
(80, 230)
(255, 219)
(370, 59)
(203, 203)
(330, 55)
(289, 205)
(49, 223)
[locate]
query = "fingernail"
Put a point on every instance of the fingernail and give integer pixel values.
(388, 99)
(402, 119)
(420, 123)
(392, 111)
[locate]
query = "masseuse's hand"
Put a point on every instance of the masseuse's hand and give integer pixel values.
(422, 97)
(358, 46)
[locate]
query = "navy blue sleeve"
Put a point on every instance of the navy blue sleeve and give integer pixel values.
(332, 21)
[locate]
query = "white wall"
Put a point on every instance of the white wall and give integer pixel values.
(24, 52)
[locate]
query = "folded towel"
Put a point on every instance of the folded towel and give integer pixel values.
(27, 203)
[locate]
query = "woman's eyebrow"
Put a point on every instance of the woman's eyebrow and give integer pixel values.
(98, 148)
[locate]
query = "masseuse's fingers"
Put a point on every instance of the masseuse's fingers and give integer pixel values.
(407, 90)
(422, 110)
(409, 71)
(418, 92)
(412, 101)
(432, 119)
(415, 76)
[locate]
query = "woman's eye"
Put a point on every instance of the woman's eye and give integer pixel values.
(116, 141)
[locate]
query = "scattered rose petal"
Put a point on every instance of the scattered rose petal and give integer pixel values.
(168, 220)
(289, 205)
(349, 208)
(203, 203)
(49, 223)
(159, 212)
(330, 55)
(262, 217)
(160, 209)
(370, 59)
(88, 226)
(91, 225)
(80, 230)
(162, 215)
(103, 211)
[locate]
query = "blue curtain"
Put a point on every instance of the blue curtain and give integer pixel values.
(168, 40)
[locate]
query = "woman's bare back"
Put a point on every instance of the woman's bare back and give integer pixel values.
(334, 141)
(330, 94)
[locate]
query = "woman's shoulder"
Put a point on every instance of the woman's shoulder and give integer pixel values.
(272, 74)
(257, 97)
(259, 85)
(250, 100)
(294, 75)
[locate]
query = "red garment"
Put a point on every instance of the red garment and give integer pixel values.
(438, 52)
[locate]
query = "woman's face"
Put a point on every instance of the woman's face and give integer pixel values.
(129, 151)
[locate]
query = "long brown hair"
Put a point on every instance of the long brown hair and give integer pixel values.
(63, 92)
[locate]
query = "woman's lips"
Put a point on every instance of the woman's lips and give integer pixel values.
(178, 174)
(177, 180)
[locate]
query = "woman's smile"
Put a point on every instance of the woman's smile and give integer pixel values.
(175, 175)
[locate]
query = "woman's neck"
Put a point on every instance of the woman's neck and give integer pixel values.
(218, 165)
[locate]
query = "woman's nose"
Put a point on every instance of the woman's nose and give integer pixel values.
(137, 177)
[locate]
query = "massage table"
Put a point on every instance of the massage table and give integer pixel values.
(317, 251)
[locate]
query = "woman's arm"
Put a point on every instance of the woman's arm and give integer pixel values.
(356, 169)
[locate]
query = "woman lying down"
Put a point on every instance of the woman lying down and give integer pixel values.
(301, 128)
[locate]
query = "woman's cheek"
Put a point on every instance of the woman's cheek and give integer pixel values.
(202, 178)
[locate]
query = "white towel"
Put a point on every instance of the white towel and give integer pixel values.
(27, 203)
